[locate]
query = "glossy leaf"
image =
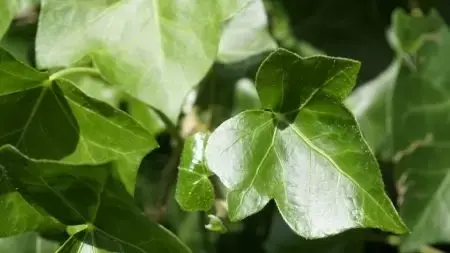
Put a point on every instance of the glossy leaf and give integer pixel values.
(371, 105)
(246, 34)
(194, 191)
(27, 243)
(420, 130)
(87, 195)
(305, 151)
(70, 132)
(7, 11)
(146, 47)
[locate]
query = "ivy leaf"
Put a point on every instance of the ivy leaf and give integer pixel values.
(194, 191)
(250, 26)
(70, 133)
(229, 8)
(27, 243)
(145, 115)
(97, 88)
(304, 151)
(17, 216)
(420, 130)
(371, 105)
(7, 11)
(87, 196)
(146, 47)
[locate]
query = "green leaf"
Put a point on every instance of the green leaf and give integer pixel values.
(87, 194)
(304, 151)
(27, 243)
(282, 240)
(411, 32)
(17, 215)
(246, 96)
(146, 47)
(78, 130)
(97, 88)
(194, 191)
(229, 8)
(7, 11)
(250, 26)
(371, 105)
(145, 115)
(420, 130)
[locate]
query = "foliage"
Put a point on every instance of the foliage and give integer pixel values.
(222, 126)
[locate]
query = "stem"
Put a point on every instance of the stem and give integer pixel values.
(75, 70)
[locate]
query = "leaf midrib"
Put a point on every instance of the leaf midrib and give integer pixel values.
(319, 151)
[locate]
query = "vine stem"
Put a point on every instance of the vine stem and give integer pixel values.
(74, 70)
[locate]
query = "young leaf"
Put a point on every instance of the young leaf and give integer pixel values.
(420, 129)
(145, 46)
(194, 191)
(304, 150)
(250, 26)
(70, 132)
(7, 11)
(87, 195)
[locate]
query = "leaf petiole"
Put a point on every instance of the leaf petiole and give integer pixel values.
(74, 70)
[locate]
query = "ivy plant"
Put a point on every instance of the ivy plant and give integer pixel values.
(173, 126)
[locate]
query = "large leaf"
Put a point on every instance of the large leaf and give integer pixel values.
(79, 129)
(250, 27)
(371, 105)
(194, 191)
(87, 196)
(420, 129)
(7, 11)
(305, 151)
(145, 46)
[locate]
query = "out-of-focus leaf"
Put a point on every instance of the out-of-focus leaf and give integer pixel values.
(145, 115)
(194, 191)
(7, 11)
(246, 96)
(420, 126)
(305, 151)
(371, 105)
(27, 243)
(19, 41)
(148, 47)
(282, 240)
(97, 88)
(87, 195)
(79, 129)
(246, 34)
(195, 240)
(215, 224)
